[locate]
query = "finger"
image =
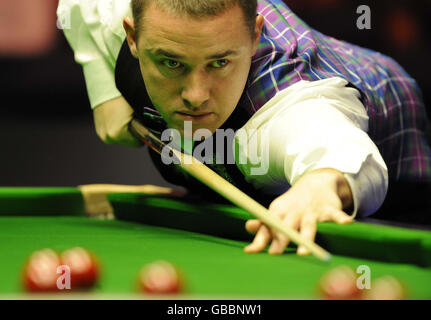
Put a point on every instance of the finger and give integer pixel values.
(103, 216)
(110, 216)
(260, 241)
(278, 244)
(308, 232)
(253, 225)
(336, 215)
(280, 241)
(341, 217)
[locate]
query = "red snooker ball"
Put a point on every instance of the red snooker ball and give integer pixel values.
(339, 284)
(160, 277)
(385, 288)
(84, 267)
(40, 271)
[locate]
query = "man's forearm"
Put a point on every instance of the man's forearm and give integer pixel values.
(111, 120)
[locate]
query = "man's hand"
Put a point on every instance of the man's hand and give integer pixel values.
(111, 119)
(318, 196)
(96, 202)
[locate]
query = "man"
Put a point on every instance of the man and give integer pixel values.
(217, 64)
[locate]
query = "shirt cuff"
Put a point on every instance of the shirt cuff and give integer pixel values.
(368, 191)
(100, 82)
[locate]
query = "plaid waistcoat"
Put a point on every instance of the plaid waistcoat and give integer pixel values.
(290, 51)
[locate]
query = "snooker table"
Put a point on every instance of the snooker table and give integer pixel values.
(205, 240)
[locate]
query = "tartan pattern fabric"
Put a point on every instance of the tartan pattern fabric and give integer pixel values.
(291, 51)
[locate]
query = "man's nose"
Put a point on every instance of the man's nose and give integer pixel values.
(196, 91)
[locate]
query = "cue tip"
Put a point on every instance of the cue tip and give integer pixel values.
(327, 258)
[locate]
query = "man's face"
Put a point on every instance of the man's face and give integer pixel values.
(194, 69)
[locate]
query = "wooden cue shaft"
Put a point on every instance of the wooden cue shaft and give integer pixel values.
(204, 174)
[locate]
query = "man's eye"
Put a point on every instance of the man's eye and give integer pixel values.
(219, 63)
(171, 64)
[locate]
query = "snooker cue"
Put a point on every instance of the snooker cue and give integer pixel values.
(204, 174)
(96, 204)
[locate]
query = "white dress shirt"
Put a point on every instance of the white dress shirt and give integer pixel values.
(310, 125)
(94, 29)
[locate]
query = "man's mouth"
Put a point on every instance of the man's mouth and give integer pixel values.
(195, 117)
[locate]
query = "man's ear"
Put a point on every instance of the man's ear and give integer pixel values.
(257, 32)
(129, 27)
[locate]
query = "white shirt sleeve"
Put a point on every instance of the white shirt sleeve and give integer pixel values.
(94, 30)
(308, 126)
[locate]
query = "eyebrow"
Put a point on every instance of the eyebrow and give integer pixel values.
(161, 52)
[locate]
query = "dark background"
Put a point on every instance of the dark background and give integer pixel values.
(46, 125)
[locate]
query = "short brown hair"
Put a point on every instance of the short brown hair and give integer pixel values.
(197, 8)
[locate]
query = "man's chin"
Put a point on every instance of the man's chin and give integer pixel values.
(191, 131)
